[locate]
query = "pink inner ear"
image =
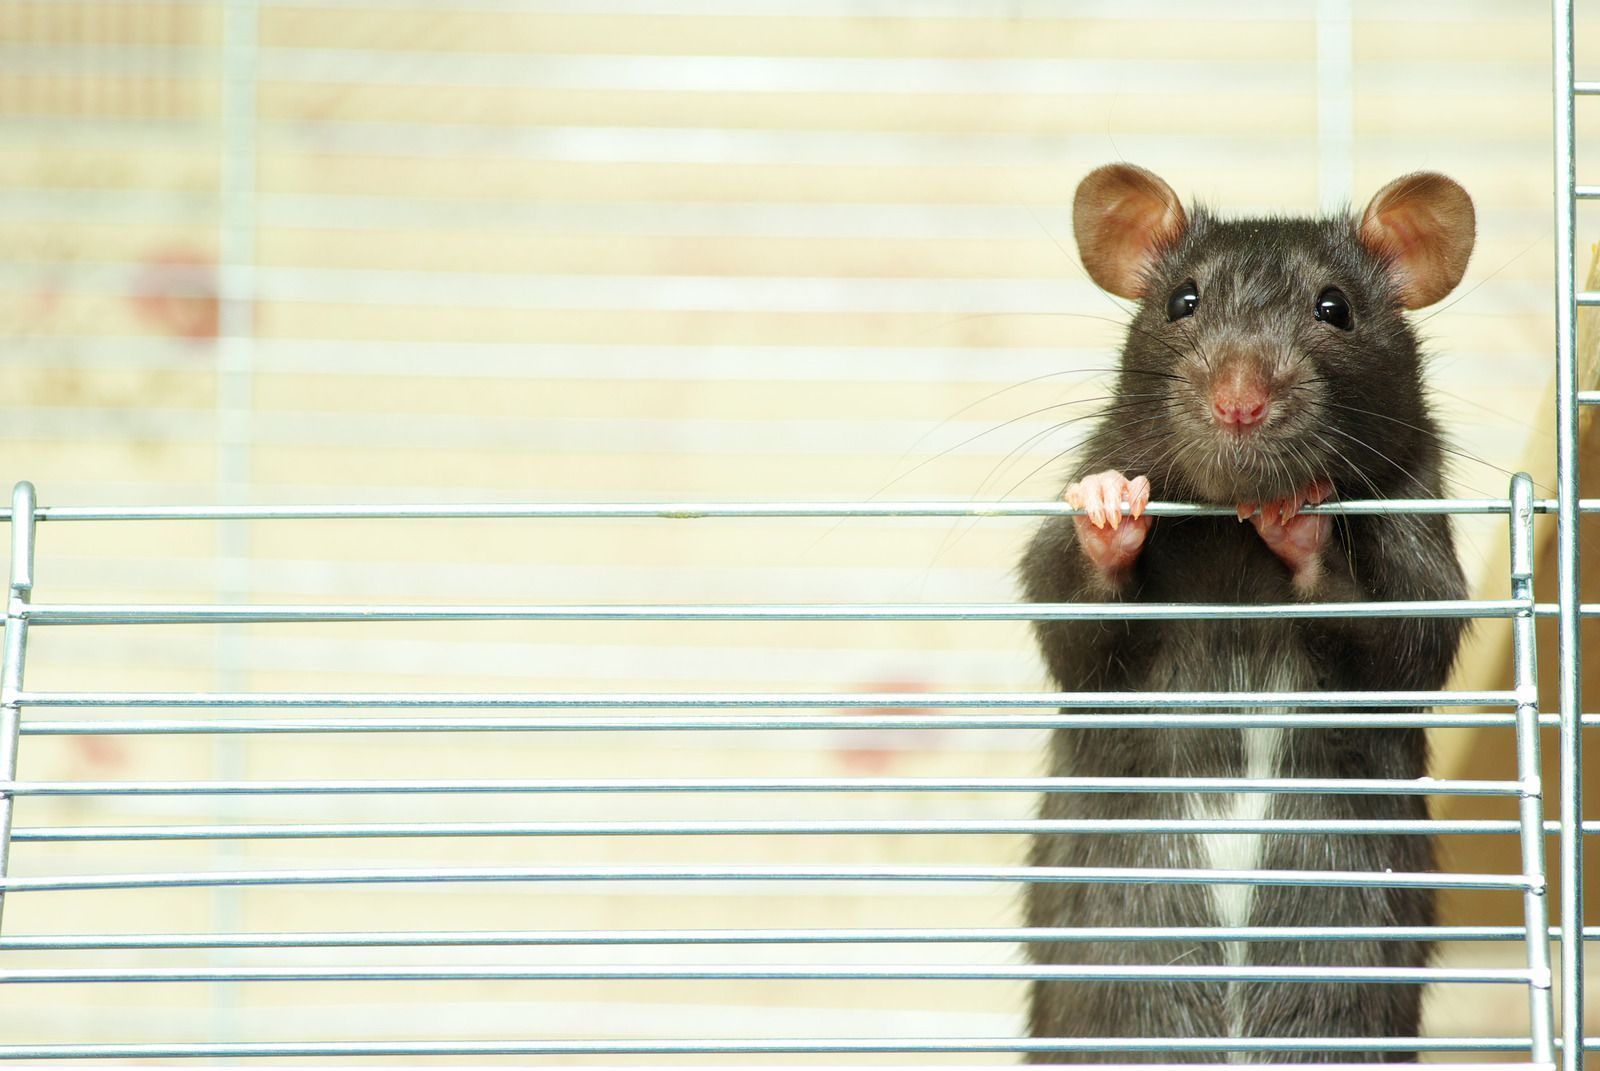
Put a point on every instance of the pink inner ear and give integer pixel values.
(1400, 234)
(1423, 225)
(1123, 216)
(1147, 224)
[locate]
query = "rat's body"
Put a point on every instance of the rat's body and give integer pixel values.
(1243, 382)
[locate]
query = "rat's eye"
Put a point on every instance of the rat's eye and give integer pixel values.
(1182, 301)
(1334, 308)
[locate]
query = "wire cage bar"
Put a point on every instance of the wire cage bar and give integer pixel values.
(1524, 654)
(814, 1046)
(861, 935)
(15, 648)
(1569, 674)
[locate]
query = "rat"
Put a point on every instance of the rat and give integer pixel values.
(1268, 365)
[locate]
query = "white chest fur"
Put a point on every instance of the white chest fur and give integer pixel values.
(1263, 757)
(1240, 851)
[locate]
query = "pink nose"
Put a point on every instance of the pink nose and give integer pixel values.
(1240, 406)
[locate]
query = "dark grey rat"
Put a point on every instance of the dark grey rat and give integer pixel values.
(1269, 364)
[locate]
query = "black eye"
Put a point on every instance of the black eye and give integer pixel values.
(1334, 308)
(1182, 301)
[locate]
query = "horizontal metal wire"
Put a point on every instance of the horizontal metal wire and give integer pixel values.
(745, 510)
(748, 510)
(253, 726)
(828, 827)
(301, 831)
(250, 726)
(769, 700)
(1060, 1064)
(1425, 786)
(1589, 397)
(189, 614)
(843, 873)
(769, 972)
(713, 1046)
(611, 938)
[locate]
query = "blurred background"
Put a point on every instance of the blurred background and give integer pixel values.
(640, 250)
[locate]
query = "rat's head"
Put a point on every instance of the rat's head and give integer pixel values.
(1267, 353)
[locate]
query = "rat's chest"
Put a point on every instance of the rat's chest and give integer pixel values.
(1245, 657)
(1242, 657)
(1210, 560)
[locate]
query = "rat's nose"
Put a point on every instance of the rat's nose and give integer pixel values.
(1240, 403)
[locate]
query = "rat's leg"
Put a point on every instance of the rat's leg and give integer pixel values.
(1109, 540)
(1297, 540)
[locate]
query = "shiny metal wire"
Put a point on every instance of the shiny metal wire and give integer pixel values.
(1565, 88)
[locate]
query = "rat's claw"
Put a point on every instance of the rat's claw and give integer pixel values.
(1138, 496)
(1111, 501)
(1319, 492)
(1281, 511)
(1076, 497)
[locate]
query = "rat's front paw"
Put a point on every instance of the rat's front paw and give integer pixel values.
(1297, 540)
(1110, 541)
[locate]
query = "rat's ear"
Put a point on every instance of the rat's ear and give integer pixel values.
(1423, 225)
(1123, 217)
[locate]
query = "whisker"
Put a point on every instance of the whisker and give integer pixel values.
(1459, 298)
(1427, 492)
(1443, 446)
(1039, 436)
(990, 397)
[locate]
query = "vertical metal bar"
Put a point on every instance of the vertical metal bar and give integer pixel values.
(1535, 908)
(1567, 546)
(16, 646)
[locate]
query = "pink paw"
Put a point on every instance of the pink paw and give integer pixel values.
(1110, 540)
(1297, 540)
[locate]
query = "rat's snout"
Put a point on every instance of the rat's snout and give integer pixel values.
(1240, 397)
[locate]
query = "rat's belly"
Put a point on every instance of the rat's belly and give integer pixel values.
(1248, 657)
